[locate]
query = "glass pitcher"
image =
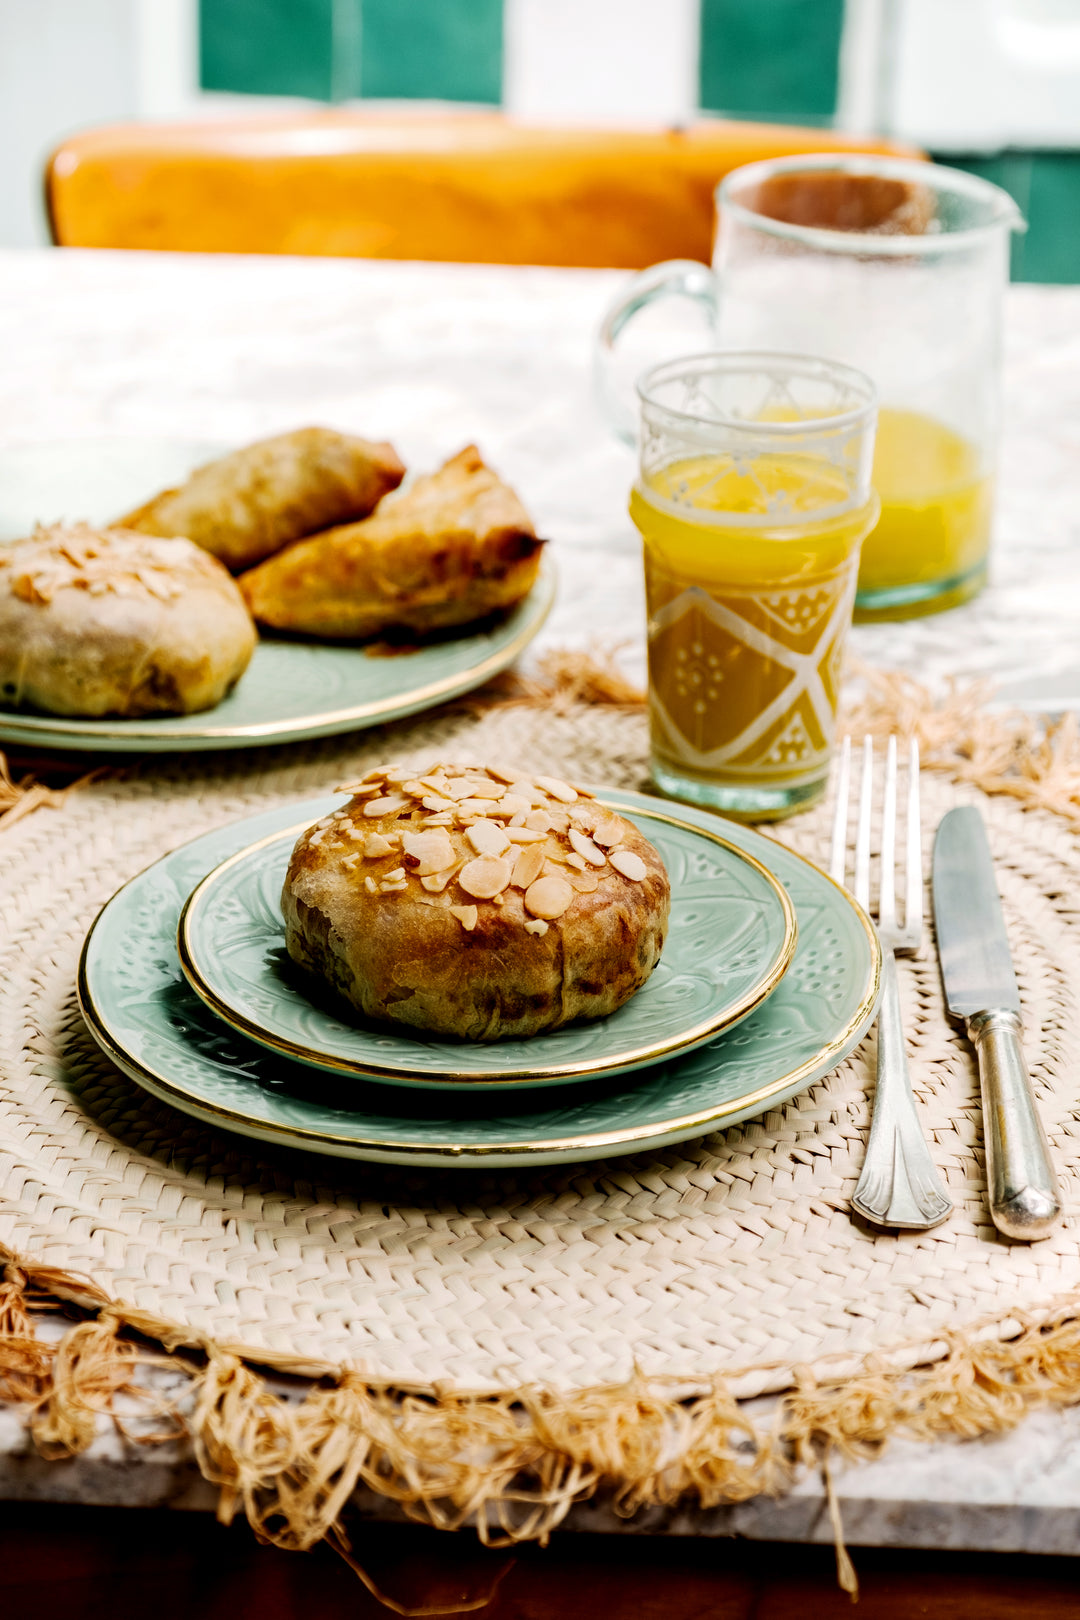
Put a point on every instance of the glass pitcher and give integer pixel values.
(896, 267)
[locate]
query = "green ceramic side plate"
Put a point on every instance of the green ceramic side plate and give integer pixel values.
(731, 938)
(292, 689)
(148, 1020)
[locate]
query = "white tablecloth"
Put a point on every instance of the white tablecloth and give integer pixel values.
(432, 356)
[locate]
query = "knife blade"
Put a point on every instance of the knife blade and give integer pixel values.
(980, 988)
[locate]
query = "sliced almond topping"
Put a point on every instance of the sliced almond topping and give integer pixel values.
(557, 788)
(460, 788)
(495, 790)
(548, 897)
(528, 866)
(586, 847)
(371, 886)
(560, 821)
(397, 775)
(536, 926)
(414, 787)
(349, 861)
(586, 882)
(375, 845)
(396, 876)
(432, 850)
(525, 835)
(386, 807)
(386, 887)
(446, 818)
(478, 807)
(539, 820)
(434, 784)
(366, 790)
(488, 875)
(437, 801)
(438, 880)
(630, 865)
(466, 916)
(511, 803)
(608, 833)
(502, 775)
(517, 820)
(578, 862)
(487, 839)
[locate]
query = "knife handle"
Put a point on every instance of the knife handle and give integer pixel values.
(1024, 1199)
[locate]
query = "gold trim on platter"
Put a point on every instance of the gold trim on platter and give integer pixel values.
(494, 1078)
(17, 726)
(352, 1146)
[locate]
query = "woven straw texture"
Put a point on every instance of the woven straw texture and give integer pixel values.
(735, 1254)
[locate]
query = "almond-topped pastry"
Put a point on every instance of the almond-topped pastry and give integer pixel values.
(104, 621)
(478, 902)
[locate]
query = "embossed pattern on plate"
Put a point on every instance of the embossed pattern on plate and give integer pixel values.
(149, 1021)
(731, 938)
(292, 689)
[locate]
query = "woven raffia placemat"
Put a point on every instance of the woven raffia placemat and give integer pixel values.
(568, 1325)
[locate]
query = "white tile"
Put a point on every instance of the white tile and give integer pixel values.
(601, 61)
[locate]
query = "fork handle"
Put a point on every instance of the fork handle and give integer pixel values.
(1024, 1199)
(899, 1185)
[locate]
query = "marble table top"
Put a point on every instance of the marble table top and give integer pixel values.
(431, 356)
(106, 345)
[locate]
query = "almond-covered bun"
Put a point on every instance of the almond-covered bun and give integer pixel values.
(478, 902)
(104, 621)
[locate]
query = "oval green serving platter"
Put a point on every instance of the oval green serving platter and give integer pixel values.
(292, 689)
(150, 1022)
(731, 938)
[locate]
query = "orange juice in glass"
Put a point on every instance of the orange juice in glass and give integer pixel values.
(753, 498)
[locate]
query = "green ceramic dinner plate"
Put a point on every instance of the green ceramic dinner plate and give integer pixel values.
(291, 690)
(147, 1018)
(731, 938)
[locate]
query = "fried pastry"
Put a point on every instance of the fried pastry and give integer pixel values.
(104, 621)
(248, 504)
(482, 903)
(453, 546)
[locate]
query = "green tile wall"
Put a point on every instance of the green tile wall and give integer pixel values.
(268, 47)
(449, 50)
(776, 60)
(1046, 186)
(333, 50)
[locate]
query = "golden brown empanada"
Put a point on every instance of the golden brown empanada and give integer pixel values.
(455, 545)
(248, 504)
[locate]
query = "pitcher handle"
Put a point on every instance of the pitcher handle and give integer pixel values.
(680, 278)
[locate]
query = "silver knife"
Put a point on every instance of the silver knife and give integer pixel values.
(980, 988)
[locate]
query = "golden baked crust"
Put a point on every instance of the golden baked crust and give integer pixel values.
(250, 503)
(455, 545)
(103, 621)
(482, 903)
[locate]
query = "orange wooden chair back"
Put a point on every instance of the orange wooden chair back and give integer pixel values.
(465, 187)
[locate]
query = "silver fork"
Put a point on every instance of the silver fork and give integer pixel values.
(899, 1185)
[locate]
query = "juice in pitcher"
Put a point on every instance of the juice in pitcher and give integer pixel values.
(929, 548)
(750, 578)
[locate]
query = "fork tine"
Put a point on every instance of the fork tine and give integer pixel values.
(913, 912)
(838, 850)
(887, 877)
(862, 836)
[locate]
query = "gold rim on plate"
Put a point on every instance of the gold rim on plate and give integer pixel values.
(18, 726)
(655, 1052)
